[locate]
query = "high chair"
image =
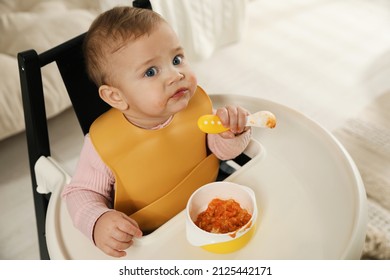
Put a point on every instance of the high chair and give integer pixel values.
(311, 199)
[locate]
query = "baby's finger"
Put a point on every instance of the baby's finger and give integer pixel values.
(122, 236)
(113, 252)
(223, 115)
(227, 134)
(119, 246)
(241, 119)
(129, 226)
(233, 118)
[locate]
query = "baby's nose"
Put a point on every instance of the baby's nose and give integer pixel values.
(175, 76)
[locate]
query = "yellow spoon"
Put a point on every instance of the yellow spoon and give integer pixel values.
(212, 123)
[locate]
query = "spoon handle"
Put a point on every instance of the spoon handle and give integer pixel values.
(212, 123)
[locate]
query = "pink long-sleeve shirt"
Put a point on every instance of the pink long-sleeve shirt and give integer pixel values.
(90, 192)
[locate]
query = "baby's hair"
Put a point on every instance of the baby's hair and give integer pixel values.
(109, 32)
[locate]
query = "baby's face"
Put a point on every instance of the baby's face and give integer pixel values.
(153, 76)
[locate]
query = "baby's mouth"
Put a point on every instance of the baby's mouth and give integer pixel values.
(180, 93)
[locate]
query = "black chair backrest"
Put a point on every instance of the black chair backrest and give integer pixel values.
(84, 97)
(82, 92)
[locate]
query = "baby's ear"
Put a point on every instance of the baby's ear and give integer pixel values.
(113, 97)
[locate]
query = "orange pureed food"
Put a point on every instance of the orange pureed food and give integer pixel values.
(223, 216)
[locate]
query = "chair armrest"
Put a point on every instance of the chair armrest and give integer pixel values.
(49, 175)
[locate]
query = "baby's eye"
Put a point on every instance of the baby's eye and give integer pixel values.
(177, 60)
(151, 72)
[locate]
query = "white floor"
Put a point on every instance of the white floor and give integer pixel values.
(18, 231)
(327, 59)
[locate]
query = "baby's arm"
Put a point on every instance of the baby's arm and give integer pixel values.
(231, 143)
(88, 197)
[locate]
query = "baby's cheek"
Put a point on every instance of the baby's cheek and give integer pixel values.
(193, 80)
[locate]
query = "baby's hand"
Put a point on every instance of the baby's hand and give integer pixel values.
(114, 232)
(233, 117)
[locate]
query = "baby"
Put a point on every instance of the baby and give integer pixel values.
(143, 158)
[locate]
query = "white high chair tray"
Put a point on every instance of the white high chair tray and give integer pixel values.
(311, 200)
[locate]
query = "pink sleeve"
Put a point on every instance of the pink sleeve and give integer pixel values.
(226, 149)
(88, 195)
